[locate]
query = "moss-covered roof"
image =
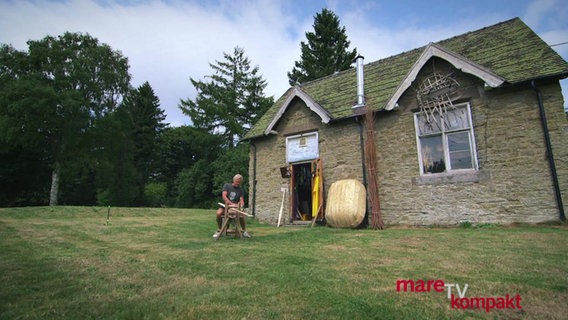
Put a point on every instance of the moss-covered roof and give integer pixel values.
(510, 50)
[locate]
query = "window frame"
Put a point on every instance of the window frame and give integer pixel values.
(444, 133)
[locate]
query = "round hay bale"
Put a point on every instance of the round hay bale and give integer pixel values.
(346, 204)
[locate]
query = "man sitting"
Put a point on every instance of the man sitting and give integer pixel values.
(232, 194)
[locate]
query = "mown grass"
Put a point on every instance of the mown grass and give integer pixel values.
(67, 263)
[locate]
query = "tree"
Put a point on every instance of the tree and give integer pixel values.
(184, 151)
(52, 95)
(23, 177)
(22, 166)
(129, 150)
(200, 184)
(144, 122)
(116, 173)
(326, 51)
(229, 163)
(231, 101)
(194, 187)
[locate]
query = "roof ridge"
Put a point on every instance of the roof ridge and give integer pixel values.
(420, 48)
(440, 42)
(335, 74)
(493, 26)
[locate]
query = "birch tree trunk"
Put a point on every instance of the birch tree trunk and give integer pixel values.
(54, 193)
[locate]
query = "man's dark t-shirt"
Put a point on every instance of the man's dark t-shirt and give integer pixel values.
(233, 193)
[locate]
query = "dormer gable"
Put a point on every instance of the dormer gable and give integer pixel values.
(459, 62)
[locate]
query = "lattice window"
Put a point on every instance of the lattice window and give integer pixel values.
(435, 96)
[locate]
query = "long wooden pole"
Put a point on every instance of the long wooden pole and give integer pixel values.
(281, 207)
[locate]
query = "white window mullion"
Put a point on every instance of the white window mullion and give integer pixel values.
(446, 147)
(472, 144)
(418, 144)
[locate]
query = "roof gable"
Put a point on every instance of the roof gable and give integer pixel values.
(296, 92)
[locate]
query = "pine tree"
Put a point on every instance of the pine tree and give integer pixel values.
(145, 125)
(326, 51)
(231, 101)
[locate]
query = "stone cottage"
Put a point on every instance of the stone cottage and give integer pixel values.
(471, 128)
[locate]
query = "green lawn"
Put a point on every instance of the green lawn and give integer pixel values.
(67, 263)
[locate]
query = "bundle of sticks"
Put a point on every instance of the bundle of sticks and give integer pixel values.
(372, 175)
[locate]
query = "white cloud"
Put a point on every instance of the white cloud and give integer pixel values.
(539, 10)
(167, 42)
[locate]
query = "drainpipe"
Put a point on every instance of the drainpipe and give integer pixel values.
(253, 178)
(550, 156)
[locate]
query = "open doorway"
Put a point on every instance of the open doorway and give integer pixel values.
(306, 182)
(301, 183)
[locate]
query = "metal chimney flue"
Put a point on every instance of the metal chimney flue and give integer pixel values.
(360, 82)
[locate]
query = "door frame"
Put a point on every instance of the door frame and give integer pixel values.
(316, 194)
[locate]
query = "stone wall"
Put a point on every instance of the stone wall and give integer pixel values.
(513, 183)
(338, 148)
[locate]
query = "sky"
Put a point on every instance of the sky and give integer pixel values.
(170, 41)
